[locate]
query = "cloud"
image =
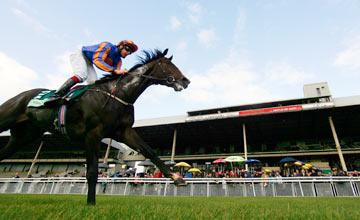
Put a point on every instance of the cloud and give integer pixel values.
(15, 77)
(195, 12)
(285, 74)
(206, 37)
(240, 25)
(63, 71)
(175, 23)
(350, 56)
(229, 81)
(87, 32)
(34, 23)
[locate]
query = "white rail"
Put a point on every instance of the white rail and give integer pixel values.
(205, 187)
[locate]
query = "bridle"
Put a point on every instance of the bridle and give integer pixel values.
(169, 79)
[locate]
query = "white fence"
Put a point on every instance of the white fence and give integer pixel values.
(200, 187)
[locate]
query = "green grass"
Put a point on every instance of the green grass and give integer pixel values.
(25, 206)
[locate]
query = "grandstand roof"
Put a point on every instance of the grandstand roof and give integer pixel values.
(290, 118)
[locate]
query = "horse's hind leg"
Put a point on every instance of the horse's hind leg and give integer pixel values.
(20, 135)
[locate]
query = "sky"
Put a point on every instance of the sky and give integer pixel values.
(234, 52)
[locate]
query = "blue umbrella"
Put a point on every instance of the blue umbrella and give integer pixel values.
(316, 168)
(252, 161)
(170, 163)
(288, 160)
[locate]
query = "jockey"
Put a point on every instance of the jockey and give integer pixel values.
(104, 56)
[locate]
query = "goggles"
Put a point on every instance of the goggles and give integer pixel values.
(129, 48)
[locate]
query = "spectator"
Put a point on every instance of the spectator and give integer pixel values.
(278, 176)
(303, 172)
(334, 173)
(265, 175)
(355, 173)
(16, 175)
(313, 173)
(104, 183)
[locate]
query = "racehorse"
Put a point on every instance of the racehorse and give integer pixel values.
(105, 110)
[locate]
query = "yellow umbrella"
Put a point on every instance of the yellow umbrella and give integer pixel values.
(267, 171)
(182, 164)
(297, 163)
(195, 170)
(308, 165)
(305, 167)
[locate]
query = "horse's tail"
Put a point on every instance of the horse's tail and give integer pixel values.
(13, 110)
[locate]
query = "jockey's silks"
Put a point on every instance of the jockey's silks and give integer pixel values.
(105, 56)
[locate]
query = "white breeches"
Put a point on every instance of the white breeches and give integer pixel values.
(82, 67)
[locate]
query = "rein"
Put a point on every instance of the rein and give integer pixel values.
(110, 95)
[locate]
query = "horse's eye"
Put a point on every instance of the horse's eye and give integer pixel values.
(170, 79)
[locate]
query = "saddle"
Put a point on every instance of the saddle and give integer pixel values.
(39, 100)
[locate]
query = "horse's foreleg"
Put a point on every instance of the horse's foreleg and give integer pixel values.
(92, 159)
(132, 139)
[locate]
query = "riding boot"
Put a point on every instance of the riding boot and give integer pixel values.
(58, 95)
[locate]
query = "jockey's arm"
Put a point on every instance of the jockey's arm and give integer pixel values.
(120, 72)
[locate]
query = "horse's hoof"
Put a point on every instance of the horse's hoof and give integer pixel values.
(180, 182)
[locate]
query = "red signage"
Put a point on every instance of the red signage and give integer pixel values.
(271, 110)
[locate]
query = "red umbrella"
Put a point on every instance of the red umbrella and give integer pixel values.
(220, 160)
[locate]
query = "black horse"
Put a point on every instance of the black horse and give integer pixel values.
(105, 110)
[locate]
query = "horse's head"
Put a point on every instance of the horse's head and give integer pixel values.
(166, 73)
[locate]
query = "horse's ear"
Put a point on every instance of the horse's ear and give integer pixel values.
(170, 58)
(165, 51)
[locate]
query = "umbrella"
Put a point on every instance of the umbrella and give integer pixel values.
(287, 160)
(146, 163)
(308, 165)
(103, 165)
(297, 163)
(305, 167)
(182, 164)
(317, 168)
(252, 161)
(220, 160)
(170, 163)
(235, 159)
(194, 170)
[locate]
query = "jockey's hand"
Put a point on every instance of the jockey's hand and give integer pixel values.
(120, 72)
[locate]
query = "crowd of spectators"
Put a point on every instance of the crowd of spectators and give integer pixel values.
(229, 173)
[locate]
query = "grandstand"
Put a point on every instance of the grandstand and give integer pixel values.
(316, 129)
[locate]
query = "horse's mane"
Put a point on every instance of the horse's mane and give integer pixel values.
(147, 58)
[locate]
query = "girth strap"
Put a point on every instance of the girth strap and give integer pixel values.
(61, 119)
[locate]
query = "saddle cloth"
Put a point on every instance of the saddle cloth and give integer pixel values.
(39, 100)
